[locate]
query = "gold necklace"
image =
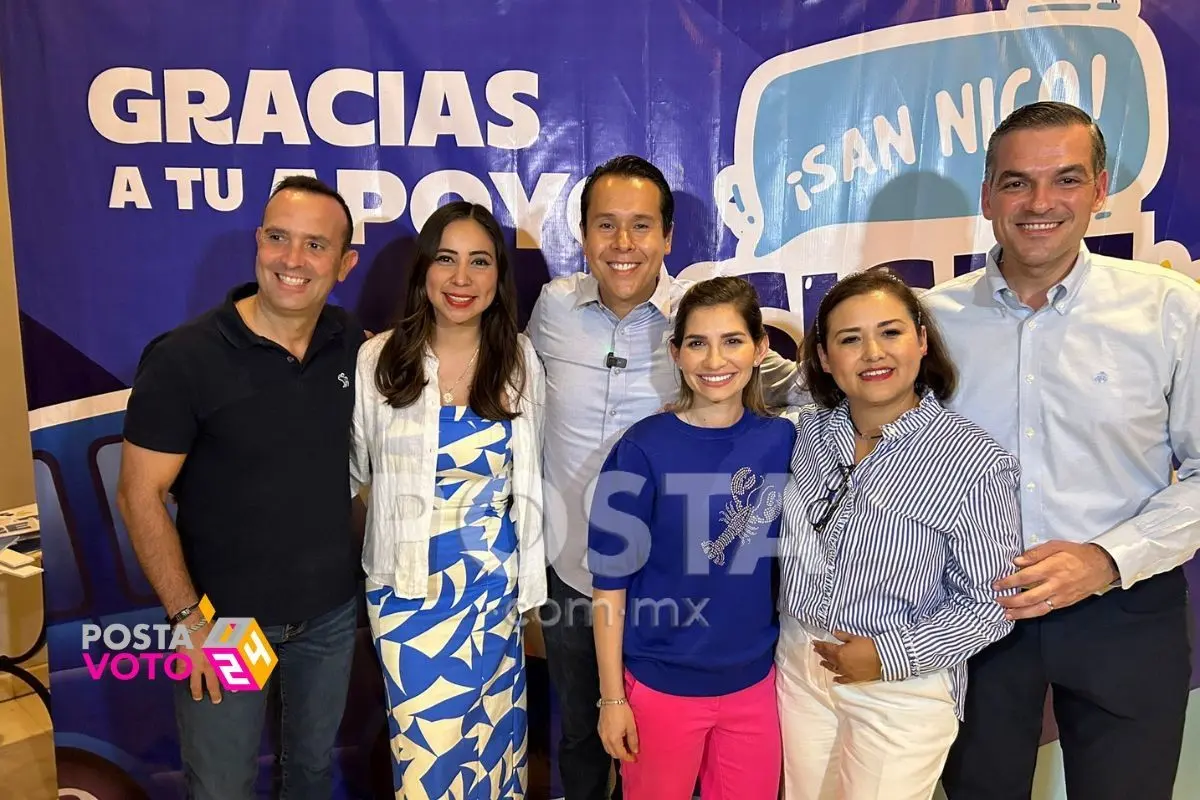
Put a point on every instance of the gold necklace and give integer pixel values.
(862, 435)
(877, 436)
(448, 396)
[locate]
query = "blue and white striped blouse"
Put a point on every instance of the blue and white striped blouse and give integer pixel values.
(905, 546)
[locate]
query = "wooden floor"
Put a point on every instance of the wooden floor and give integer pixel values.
(26, 750)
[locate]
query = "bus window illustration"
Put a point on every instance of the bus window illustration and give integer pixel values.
(917, 273)
(969, 262)
(67, 594)
(813, 291)
(771, 288)
(105, 464)
(783, 327)
(1113, 245)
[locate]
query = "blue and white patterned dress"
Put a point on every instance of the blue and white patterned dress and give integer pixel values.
(454, 665)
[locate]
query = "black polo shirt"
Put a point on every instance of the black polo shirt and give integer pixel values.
(264, 494)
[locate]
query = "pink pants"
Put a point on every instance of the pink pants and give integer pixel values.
(731, 742)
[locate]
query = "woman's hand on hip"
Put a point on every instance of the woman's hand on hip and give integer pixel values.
(854, 659)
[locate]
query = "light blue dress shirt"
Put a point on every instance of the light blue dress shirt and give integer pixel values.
(1095, 392)
(589, 405)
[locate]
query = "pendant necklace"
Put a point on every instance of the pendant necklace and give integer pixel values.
(448, 396)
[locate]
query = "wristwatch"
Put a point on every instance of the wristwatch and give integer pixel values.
(182, 614)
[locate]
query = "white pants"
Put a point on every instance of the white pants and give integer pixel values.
(864, 741)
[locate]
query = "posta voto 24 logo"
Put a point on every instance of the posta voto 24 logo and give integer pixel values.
(236, 647)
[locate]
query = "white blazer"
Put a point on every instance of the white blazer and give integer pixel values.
(394, 450)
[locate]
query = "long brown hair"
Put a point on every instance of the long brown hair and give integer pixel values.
(720, 291)
(400, 374)
(937, 372)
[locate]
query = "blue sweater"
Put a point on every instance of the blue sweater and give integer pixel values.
(686, 520)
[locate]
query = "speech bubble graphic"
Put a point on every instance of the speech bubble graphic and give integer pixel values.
(871, 149)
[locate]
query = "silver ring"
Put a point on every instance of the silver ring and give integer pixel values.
(1049, 603)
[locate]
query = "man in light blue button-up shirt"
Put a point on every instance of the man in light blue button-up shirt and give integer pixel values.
(1086, 368)
(602, 337)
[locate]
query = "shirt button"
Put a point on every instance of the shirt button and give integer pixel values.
(612, 413)
(1059, 307)
(1029, 379)
(1029, 433)
(291, 359)
(1032, 325)
(617, 371)
(1030, 486)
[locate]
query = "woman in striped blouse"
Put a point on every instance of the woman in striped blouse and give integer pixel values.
(899, 517)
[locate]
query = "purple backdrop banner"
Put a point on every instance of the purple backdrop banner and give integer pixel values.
(805, 140)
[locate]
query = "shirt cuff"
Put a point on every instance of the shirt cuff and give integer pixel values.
(895, 655)
(1126, 545)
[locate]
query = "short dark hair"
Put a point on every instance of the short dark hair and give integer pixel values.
(719, 291)
(306, 183)
(1047, 114)
(937, 372)
(630, 166)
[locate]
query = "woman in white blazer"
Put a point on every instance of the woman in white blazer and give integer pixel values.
(447, 432)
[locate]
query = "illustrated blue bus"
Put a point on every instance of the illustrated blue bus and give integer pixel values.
(117, 739)
(114, 738)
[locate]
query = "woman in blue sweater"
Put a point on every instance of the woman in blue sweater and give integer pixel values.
(682, 537)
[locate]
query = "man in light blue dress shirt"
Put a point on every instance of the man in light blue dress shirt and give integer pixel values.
(602, 336)
(1086, 368)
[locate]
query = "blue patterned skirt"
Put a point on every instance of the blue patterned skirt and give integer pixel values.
(454, 664)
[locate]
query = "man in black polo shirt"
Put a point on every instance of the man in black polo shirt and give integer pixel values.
(243, 414)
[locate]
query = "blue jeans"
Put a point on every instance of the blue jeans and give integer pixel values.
(220, 743)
